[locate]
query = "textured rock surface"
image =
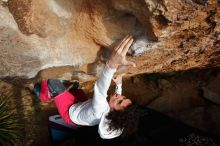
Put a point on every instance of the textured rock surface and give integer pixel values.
(71, 39)
(170, 35)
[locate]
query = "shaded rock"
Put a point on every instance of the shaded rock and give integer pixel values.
(211, 91)
(202, 2)
(205, 118)
(163, 84)
(210, 95)
(141, 91)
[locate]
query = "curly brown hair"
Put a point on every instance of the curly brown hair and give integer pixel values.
(127, 119)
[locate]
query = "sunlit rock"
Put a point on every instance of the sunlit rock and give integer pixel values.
(168, 36)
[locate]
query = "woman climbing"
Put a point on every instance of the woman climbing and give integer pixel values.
(77, 110)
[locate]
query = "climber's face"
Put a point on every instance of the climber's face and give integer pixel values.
(118, 102)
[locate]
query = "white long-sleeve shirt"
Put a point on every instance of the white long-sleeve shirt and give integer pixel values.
(94, 111)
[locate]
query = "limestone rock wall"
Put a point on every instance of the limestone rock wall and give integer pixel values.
(169, 35)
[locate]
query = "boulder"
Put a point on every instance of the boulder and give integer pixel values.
(169, 36)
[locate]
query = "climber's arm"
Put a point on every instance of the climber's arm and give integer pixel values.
(118, 57)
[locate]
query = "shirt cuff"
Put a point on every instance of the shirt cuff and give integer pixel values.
(109, 71)
(118, 89)
(118, 86)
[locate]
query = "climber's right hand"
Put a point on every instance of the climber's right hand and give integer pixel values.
(118, 56)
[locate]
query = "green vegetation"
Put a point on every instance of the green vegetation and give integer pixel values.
(9, 126)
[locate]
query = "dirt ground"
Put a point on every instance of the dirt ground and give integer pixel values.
(177, 94)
